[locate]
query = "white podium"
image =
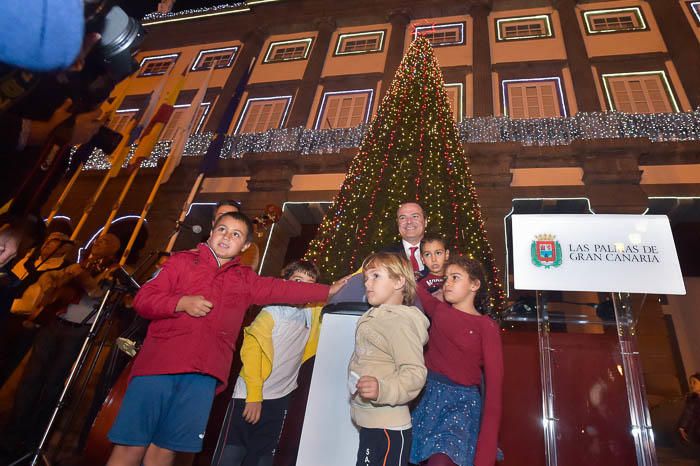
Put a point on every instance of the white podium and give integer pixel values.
(328, 435)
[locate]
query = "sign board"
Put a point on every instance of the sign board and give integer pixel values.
(612, 253)
(328, 435)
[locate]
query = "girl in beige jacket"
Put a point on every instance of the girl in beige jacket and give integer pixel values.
(387, 370)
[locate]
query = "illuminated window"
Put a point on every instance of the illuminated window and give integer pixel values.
(360, 42)
(157, 66)
(344, 109)
(648, 92)
(533, 98)
(261, 114)
(177, 120)
(695, 11)
(128, 109)
(529, 27)
(614, 20)
(441, 35)
(455, 94)
(216, 58)
(288, 50)
(119, 120)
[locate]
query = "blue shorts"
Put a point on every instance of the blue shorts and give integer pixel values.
(169, 411)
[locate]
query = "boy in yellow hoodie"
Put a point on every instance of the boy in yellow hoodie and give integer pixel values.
(274, 346)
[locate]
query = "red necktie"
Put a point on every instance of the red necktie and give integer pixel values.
(414, 261)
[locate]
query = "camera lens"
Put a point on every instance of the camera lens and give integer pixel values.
(121, 36)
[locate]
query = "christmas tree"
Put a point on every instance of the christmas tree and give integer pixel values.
(411, 152)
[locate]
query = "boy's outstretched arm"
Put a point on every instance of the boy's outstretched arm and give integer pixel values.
(268, 290)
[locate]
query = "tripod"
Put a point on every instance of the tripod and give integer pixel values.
(100, 314)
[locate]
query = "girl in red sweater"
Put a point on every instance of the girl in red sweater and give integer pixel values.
(449, 427)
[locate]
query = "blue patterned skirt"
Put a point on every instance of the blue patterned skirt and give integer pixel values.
(447, 421)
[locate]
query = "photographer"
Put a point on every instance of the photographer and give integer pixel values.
(43, 115)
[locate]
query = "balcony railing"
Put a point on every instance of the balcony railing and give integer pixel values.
(660, 127)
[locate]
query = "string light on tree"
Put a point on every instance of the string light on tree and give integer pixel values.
(411, 152)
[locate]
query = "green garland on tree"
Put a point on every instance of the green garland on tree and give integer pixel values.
(411, 152)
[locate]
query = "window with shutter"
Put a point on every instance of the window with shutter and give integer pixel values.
(176, 121)
(639, 93)
(200, 118)
(361, 42)
(441, 35)
(215, 58)
(695, 10)
(528, 27)
(533, 98)
(344, 110)
(614, 20)
(288, 50)
(455, 94)
(157, 66)
(261, 114)
(119, 121)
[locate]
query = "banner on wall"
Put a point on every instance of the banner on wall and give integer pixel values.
(607, 253)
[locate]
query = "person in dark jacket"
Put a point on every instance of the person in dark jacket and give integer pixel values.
(689, 423)
(411, 223)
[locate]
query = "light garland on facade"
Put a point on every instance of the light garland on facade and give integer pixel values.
(157, 17)
(560, 131)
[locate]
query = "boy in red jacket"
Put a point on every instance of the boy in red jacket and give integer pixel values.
(196, 305)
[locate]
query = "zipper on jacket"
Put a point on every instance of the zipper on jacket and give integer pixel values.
(218, 262)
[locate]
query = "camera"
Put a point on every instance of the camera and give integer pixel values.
(37, 95)
(111, 60)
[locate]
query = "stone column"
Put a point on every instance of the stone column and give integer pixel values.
(682, 44)
(252, 44)
(270, 181)
(394, 49)
(307, 89)
(491, 171)
(579, 64)
(483, 88)
(611, 175)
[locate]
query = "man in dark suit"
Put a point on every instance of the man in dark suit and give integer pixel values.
(411, 221)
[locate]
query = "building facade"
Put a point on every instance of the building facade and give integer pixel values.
(563, 106)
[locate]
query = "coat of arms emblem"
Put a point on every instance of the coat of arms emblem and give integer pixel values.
(546, 251)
